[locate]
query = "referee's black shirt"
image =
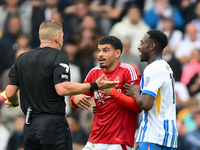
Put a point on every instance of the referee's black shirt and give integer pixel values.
(36, 72)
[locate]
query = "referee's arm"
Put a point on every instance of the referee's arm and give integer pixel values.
(73, 88)
(11, 95)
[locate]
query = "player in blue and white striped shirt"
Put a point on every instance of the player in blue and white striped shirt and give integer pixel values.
(157, 129)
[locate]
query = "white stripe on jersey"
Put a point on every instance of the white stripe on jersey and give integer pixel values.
(131, 70)
(168, 139)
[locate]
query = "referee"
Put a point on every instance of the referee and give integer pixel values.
(43, 77)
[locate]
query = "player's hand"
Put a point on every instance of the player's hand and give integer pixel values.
(106, 91)
(8, 104)
(131, 90)
(104, 83)
(82, 101)
(94, 110)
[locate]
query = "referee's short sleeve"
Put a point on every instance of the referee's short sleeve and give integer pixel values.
(13, 75)
(61, 72)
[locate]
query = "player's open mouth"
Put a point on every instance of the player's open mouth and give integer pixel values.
(101, 60)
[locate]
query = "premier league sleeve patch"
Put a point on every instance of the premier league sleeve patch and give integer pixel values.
(147, 81)
(66, 66)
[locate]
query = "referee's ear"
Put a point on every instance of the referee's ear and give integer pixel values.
(57, 38)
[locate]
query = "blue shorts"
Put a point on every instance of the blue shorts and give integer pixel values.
(152, 146)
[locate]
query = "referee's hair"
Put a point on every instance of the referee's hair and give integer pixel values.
(113, 41)
(159, 38)
(49, 29)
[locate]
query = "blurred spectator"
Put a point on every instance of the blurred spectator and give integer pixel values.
(187, 8)
(79, 137)
(163, 8)
(187, 113)
(182, 132)
(190, 42)
(22, 43)
(129, 58)
(131, 26)
(80, 10)
(16, 139)
(93, 63)
(13, 9)
(37, 18)
(4, 77)
(9, 115)
(76, 77)
(87, 43)
(64, 4)
(71, 48)
(2, 2)
(86, 117)
(194, 136)
(109, 11)
(192, 68)
(139, 3)
(2, 55)
(174, 36)
(194, 84)
(197, 19)
(174, 63)
(182, 95)
(148, 4)
(57, 16)
(50, 8)
(8, 40)
(5, 135)
(89, 22)
(41, 13)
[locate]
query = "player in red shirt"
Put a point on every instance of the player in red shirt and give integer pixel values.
(115, 121)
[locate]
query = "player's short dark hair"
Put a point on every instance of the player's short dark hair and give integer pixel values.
(113, 41)
(159, 38)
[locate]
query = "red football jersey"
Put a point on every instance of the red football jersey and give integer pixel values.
(113, 123)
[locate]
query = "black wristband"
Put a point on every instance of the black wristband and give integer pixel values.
(15, 105)
(94, 86)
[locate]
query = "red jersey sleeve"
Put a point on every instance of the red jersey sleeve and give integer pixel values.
(72, 102)
(126, 101)
(133, 77)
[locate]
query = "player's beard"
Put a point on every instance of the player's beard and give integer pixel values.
(102, 66)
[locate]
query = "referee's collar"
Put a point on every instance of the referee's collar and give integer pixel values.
(46, 46)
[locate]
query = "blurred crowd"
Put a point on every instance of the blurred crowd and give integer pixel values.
(84, 23)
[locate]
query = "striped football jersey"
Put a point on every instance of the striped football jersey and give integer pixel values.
(158, 125)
